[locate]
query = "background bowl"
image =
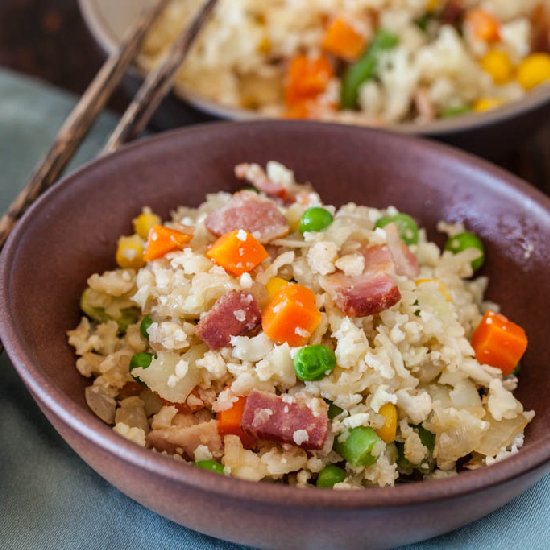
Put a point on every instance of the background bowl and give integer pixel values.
(72, 230)
(492, 134)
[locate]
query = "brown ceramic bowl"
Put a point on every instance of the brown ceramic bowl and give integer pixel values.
(71, 232)
(491, 135)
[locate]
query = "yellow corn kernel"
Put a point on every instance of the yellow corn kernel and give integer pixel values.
(129, 252)
(389, 429)
(534, 70)
(145, 222)
(487, 104)
(498, 64)
(264, 45)
(441, 287)
(274, 285)
(432, 5)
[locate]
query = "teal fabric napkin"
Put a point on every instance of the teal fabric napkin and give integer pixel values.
(49, 498)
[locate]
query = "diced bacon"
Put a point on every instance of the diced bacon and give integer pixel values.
(404, 260)
(247, 211)
(130, 389)
(378, 258)
(196, 403)
(424, 105)
(375, 290)
(369, 293)
(269, 416)
(186, 439)
(220, 323)
(453, 12)
(255, 175)
(540, 25)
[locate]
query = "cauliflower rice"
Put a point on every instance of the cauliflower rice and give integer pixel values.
(447, 60)
(413, 357)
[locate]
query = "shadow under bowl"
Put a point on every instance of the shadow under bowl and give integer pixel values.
(71, 233)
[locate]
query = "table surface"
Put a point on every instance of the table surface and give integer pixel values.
(48, 39)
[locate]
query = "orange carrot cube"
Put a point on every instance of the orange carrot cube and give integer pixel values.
(291, 316)
(229, 422)
(483, 24)
(237, 252)
(307, 78)
(342, 40)
(162, 240)
(498, 342)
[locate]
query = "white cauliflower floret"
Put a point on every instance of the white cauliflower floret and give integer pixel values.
(416, 407)
(321, 257)
(501, 403)
(242, 463)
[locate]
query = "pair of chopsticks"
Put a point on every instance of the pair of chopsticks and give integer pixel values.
(133, 122)
(77, 125)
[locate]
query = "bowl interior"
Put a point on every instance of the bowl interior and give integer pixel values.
(72, 231)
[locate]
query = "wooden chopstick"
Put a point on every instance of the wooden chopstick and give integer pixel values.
(134, 120)
(158, 83)
(76, 126)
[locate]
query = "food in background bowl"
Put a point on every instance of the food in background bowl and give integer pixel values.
(270, 337)
(382, 62)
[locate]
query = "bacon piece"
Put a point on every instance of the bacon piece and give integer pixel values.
(540, 25)
(269, 416)
(424, 105)
(186, 438)
(130, 389)
(404, 260)
(249, 212)
(367, 294)
(375, 290)
(256, 175)
(453, 12)
(234, 314)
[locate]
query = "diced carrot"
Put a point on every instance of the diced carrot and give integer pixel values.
(498, 342)
(299, 110)
(162, 240)
(484, 25)
(307, 78)
(291, 316)
(229, 422)
(342, 40)
(237, 252)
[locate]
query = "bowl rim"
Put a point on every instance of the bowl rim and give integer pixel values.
(91, 429)
(532, 101)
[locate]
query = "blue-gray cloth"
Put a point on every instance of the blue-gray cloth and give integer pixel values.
(49, 498)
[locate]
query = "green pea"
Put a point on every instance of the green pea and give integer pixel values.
(334, 411)
(464, 241)
(407, 227)
(128, 316)
(96, 314)
(403, 465)
(315, 219)
(424, 21)
(357, 448)
(146, 322)
(427, 438)
(515, 372)
(210, 465)
(314, 362)
(458, 110)
(330, 475)
(365, 68)
(250, 188)
(140, 360)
